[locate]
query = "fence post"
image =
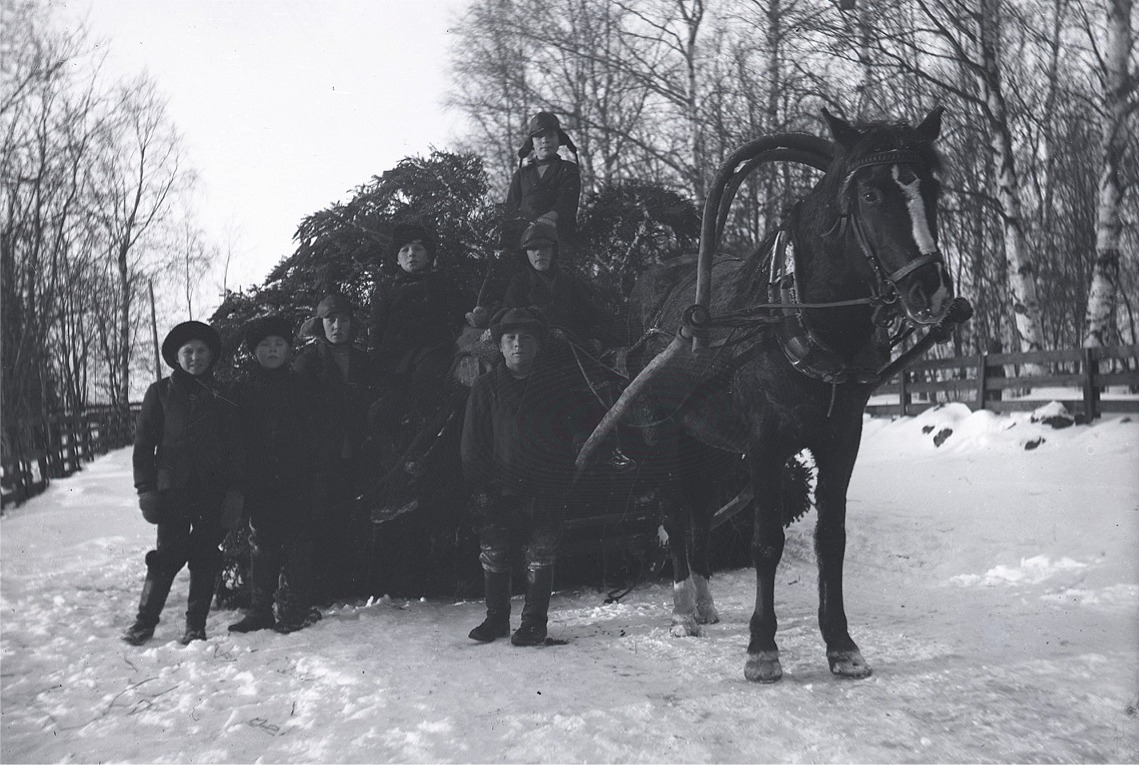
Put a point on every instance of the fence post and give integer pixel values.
(1091, 390)
(903, 392)
(982, 380)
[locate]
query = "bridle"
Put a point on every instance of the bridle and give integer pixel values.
(803, 345)
(885, 287)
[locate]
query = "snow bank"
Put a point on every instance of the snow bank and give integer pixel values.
(994, 588)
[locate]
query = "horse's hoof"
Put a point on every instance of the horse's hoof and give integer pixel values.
(707, 614)
(849, 664)
(763, 667)
(684, 626)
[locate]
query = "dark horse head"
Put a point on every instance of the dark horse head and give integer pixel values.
(881, 192)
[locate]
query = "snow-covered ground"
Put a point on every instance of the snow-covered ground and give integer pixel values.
(993, 587)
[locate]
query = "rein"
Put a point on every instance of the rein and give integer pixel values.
(802, 345)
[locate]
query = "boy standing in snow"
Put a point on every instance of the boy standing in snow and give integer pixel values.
(277, 412)
(187, 469)
(343, 378)
(520, 435)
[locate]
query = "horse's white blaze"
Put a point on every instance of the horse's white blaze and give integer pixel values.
(923, 237)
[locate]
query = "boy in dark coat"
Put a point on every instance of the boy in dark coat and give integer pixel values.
(544, 188)
(416, 317)
(277, 416)
(520, 435)
(557, 291)
(188, 472)
(343, 378)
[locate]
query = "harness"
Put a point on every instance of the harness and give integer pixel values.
(800, 341)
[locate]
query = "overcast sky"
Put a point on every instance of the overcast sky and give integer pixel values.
(285, 105)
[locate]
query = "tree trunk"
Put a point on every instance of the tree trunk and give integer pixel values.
(1019, 263)
(124, 349)
(692, 19)
(1105, 275)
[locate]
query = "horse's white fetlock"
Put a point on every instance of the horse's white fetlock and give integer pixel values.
(706, 612)
(684, 622)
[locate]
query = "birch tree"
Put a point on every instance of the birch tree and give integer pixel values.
(1118, 105)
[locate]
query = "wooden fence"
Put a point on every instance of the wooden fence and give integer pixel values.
(994, 381)
(36, 452)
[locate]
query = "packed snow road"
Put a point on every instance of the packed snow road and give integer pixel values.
(993, 588)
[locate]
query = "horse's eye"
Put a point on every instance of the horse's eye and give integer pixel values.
(871, 196)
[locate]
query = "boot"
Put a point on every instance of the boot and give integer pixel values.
(264, 573)
(497, 622)
(154, 592)
(202, 583)
(539, 585)
(253, 621)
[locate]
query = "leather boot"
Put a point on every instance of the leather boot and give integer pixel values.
(155, 590)
(265, 567)
(202, 583)
(497, 623)
(539, 585)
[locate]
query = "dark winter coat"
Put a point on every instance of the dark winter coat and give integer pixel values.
(522, 436)
(413, 315)
(278, 426)
(532, 195)
(186, 432)
(560, 294)
(342, 403)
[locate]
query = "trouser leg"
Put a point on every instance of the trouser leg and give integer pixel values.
(206, 535)
(295, 596)
(265, 567)
(541, 553)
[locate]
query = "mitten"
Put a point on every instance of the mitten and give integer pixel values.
(150, 503)
(231, 509)
(479, 318)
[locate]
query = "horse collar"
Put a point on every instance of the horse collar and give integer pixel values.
(801, 344)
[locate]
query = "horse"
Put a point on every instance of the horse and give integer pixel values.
(783, 356)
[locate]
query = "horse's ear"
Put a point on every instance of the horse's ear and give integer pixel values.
(843, 133)
(930, 127)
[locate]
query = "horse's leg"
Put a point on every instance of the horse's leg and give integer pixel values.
(835, 463)
(767, 549)
(697, 491)
(676, 524)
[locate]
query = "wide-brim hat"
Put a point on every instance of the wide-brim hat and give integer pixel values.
(529, 318)
(184, 333)
(265, 326)
(403, 233)
(537, 233)
(540, 123)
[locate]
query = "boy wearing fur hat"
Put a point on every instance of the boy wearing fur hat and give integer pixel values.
(544, 188)
(416, 316)
(343, 378)
(188, 472)
(520, 435)
(276, 413)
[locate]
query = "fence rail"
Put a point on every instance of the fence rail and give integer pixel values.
(35, 452)
(986, 380)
